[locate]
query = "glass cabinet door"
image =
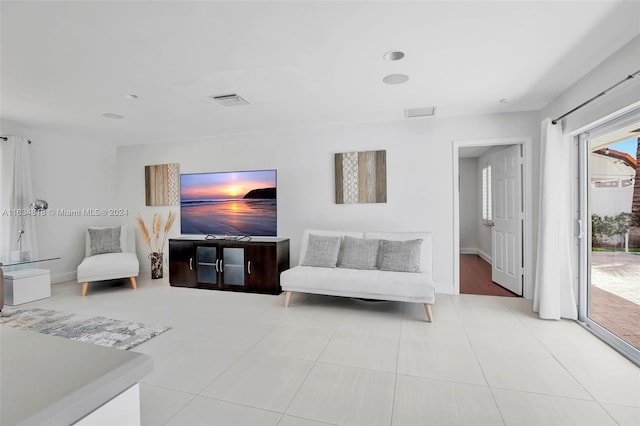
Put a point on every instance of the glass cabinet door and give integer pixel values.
(233, 266)
(207, 264)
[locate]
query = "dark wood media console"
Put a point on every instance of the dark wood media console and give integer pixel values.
(249, 266)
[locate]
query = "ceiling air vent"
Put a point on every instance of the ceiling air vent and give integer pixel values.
(232, 99)
(420, 112)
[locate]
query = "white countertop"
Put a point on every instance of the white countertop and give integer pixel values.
(49, 380)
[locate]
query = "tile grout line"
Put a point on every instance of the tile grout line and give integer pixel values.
(395, 376)
(475, 355)
(315, 362)
(564, 367)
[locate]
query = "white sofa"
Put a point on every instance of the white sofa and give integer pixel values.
(416, 287)
(107, 266)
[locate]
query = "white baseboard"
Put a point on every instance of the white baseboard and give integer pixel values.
(467, 250)
(484, 255)
(64, 277)
(443, 288)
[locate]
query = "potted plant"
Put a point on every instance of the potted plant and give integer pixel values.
(154, 241)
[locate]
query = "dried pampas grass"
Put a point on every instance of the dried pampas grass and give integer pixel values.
(156, 229)
(144, 231)
(167, 227)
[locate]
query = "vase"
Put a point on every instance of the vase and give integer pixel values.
(156, 265)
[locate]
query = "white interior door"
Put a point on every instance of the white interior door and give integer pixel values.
(506, 234)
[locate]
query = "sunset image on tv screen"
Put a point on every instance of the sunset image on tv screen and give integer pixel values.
(229, 203)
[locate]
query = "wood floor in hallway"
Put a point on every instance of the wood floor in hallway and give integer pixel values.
(475, 277)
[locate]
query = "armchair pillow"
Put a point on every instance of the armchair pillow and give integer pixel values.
(125, 237)
(104, 240)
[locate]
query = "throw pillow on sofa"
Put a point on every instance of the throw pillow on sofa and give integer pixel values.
(322, 251)
(359, 253)
(400, 256)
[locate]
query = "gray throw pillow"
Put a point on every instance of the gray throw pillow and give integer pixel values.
(359, 253)
(322, 251)
(400, 256)
(105, 240)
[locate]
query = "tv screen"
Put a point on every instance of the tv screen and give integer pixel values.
(229, 203)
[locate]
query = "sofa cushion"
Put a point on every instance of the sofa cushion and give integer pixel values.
(104, 240)
(359, 253)
(305, 239)
(426, 250)
(322, 251)
(370, 284)
(400, 256)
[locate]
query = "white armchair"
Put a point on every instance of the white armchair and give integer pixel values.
(110, 253)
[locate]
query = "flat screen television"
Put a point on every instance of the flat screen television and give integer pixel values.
(229, 203)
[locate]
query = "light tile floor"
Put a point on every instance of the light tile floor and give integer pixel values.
(243, 359)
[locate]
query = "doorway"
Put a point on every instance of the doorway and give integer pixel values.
(492, 180)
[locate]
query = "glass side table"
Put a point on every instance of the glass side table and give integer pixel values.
(27, 283)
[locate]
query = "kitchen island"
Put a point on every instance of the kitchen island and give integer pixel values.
(49, 380)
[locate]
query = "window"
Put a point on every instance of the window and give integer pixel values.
(487, 214)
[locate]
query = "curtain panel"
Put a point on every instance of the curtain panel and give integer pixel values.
(16, 195)
(554, 295)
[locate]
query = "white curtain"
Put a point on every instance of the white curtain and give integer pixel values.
(17, 193)
(554, 297)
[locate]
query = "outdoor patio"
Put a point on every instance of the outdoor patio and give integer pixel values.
(615, 294)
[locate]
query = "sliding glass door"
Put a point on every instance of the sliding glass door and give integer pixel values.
(610, 233)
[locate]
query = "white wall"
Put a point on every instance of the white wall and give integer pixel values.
(619, 65)
(419, 174)
(69, 173)
(76, 173)
(470, 201)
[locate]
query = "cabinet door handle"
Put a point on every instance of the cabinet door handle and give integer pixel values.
(249, 267)
(217, 268)
(221, 268)
(191, 263)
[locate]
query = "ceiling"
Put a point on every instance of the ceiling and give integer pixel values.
(299, 63)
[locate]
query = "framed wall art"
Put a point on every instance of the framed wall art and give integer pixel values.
(361, 177)
(161, 184)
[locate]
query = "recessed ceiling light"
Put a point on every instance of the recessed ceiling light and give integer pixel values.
(112, 115)
(131, 96)
(393, 55)
(504, 100)
(395, 78)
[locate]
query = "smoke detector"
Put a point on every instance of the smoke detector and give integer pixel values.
(231, 99)
(420, 112)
